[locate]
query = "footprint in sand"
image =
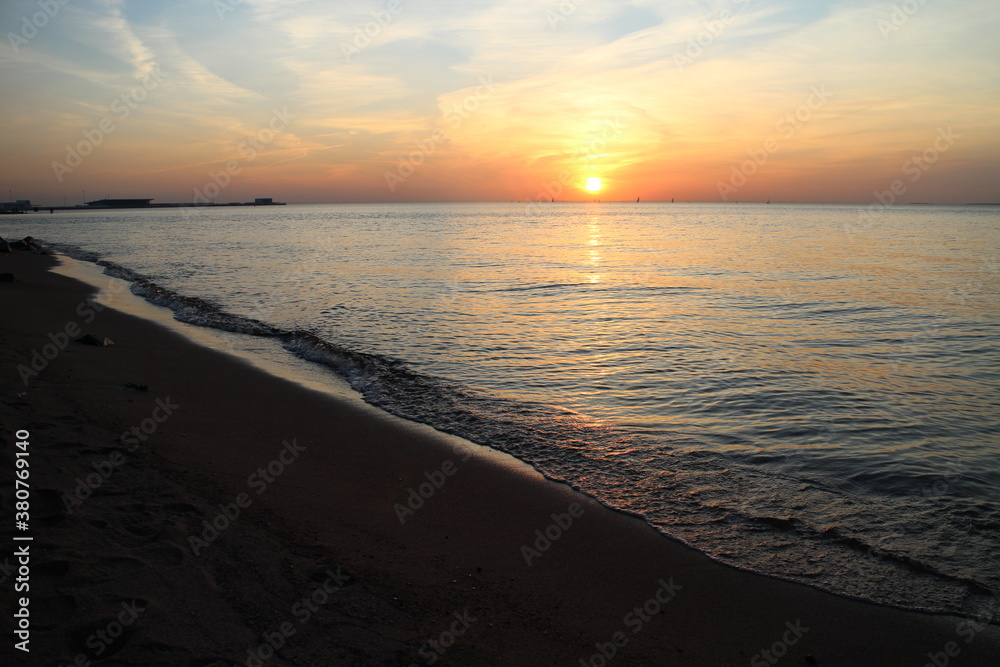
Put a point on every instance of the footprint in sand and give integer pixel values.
(64, 445)
(66, 419)
(162, 555)
(54, 611)
(54, 421)
(135, 509)
(136, 527)
(98, 452)
(82, 637)
(47, 508)
(178, 515)
(143, 532)
(186, 509)
(332, 575)
(56, 569)
(107, 569)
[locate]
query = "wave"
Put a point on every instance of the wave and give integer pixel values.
(592, 287)
(571, 448)
(529, 288)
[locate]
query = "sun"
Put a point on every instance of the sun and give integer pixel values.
(594, 184)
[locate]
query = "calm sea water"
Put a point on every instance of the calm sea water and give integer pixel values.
(794, 389)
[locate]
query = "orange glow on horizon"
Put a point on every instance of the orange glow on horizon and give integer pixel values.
(453, 114)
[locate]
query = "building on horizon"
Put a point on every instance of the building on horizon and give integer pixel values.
(16, 206)
(119, 203)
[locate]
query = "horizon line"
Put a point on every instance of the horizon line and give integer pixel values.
(523, 201)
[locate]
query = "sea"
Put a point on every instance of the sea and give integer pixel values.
(802, 390)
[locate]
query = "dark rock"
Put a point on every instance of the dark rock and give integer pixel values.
(137, 387)
(91, 339)
(28, 243)
(6, 277)
(4, 246)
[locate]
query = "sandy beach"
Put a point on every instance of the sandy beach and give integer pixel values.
(187, 508)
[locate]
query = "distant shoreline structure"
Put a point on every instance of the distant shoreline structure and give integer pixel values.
(22, 206)
(25, 206)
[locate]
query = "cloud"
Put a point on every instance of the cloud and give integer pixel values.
(693, 89)
(118, 37)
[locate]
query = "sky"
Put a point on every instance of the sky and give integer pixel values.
(424, 100)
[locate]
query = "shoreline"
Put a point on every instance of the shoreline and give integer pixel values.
(276, 358)
(547, 573)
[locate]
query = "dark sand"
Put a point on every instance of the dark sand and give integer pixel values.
(454, 573)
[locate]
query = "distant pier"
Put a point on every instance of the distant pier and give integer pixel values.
(22, 206)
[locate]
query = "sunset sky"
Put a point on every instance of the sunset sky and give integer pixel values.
(318, 101)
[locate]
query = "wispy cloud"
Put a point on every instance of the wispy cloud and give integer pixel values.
(116, 35)
(560, 76)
